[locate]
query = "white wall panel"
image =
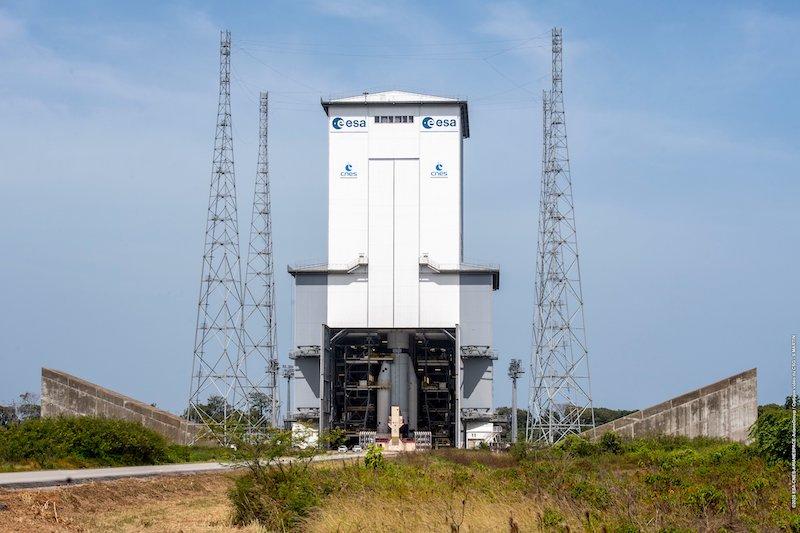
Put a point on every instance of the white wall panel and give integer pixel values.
(440, 196)
(438, 300)
(347, 210)
(381, 243)
(347, 300)
(406, 243)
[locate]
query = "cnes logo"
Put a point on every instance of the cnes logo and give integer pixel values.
(431, 122)
(439, 171)
(339, 123)
(348, 172)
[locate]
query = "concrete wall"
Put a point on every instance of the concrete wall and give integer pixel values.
(475, 313)
(723, 409)
(63, 394)
(311, 304)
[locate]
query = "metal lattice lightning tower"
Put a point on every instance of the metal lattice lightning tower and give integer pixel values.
(560, 396)
(258, 317)
(218, 393)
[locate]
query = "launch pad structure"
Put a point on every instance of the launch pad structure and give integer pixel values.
(395, 317)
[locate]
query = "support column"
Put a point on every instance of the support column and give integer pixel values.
(413, 396)
(398, 343)
(384, 392)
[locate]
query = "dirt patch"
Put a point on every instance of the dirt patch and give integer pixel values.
(165, 503)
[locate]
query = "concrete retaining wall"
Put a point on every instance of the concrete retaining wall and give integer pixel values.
(63, 394)
(723, 409)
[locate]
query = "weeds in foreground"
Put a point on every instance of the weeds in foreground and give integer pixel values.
(660, 484)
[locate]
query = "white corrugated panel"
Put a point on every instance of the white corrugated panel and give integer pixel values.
(406, 243)
(381, 243)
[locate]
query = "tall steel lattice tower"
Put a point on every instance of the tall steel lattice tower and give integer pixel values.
(258, 317)
(560, 395)
(218, 394)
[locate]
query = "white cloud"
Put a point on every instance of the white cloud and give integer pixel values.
(37, 71)
(10, 27)
(768, 43)
(648, 134)
(199, 22)
(511, 20)
(352, 9)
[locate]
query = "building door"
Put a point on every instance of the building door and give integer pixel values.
(393, 243)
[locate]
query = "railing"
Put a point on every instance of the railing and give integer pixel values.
(350, 267)
(478, 351)
(305, 351)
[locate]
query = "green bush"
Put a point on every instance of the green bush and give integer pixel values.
(519, 450)
(276, 499)
(578, 446)
(84, 439)
(374, 457)
(595, 495)
(611, 442)
(772, 435)
(333, 438)
(705, 498)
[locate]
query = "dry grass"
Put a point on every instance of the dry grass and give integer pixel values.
(366, 513)
(180, 503)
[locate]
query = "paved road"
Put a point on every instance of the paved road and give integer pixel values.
(51, 478)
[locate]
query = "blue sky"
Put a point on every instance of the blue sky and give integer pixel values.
(683, 136)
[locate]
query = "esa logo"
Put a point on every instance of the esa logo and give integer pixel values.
(348, 172)
(430, 123)
(339, 123)
(439, 171)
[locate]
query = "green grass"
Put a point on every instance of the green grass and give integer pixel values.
(658, 484)
(178, 453)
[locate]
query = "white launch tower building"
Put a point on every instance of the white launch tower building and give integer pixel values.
(395, 316)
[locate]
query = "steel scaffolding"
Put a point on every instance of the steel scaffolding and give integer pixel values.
(560, 400)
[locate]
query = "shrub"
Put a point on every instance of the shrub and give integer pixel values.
(662, 480)
(333, 438)
(727, 453)
(595, 495)
(611, 442)
(519, 450)
(705, 498)
(277, 499)
(276, 495)
(95, 440)
(577, 446)
(772, 435)
(374, 457)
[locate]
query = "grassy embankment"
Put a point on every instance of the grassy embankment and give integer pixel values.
(85, 442)
(663, 484)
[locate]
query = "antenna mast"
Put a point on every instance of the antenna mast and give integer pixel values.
(218, 389)
(288, 374)
(514, 372)
(258, 317)
(560, 395)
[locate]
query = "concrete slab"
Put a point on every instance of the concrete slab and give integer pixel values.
(724, 409)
